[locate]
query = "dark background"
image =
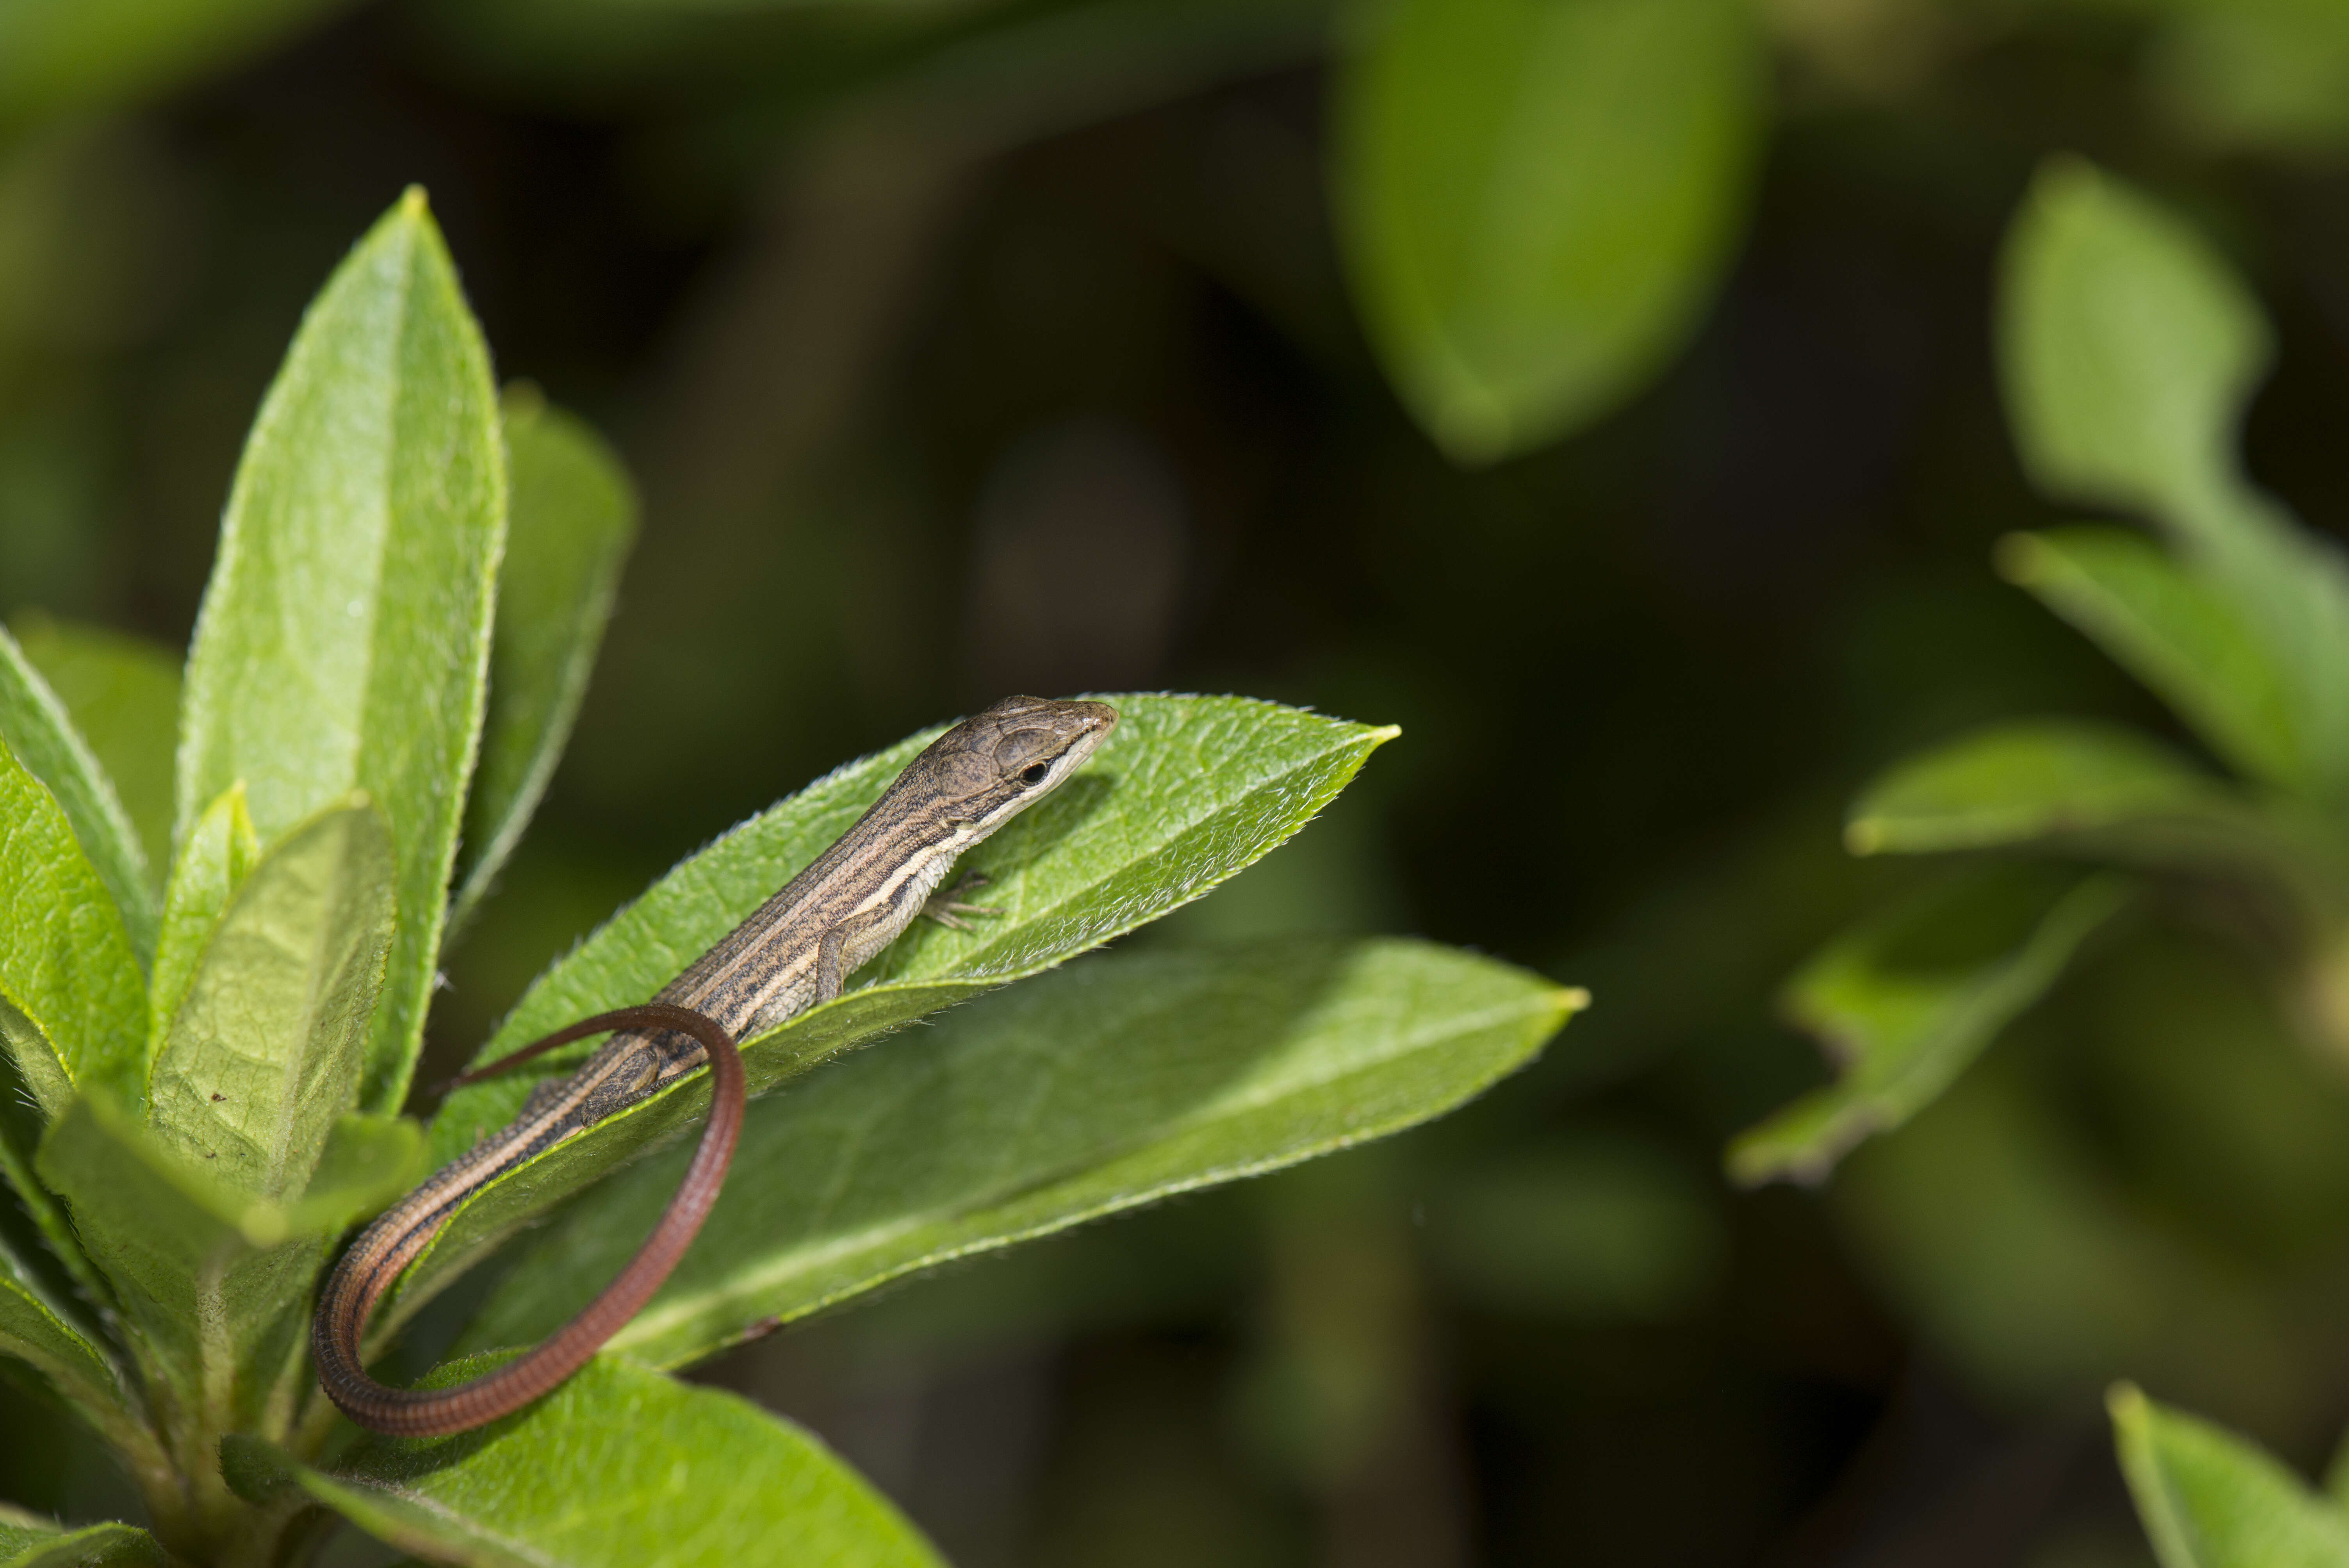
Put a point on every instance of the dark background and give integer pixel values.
(1052, 383)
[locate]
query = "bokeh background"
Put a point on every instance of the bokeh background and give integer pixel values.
(966, 347)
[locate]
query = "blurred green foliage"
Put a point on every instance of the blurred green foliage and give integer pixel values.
(919, 324)
(198, 1064)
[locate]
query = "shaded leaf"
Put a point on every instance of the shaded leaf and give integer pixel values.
(2094, 788)
(2272, 76)
(1904, 1004)
(35, 1330)
(34, 724)
(1999, 1230)
(1185, 792)
(2129, 351)
(1584, 1228)
(2174, 633)
(221, 852)
(264, 1052)
(652, 1474)
(26, 1541)
(1110, 1084)
(2209, 1499)
(71, 57)
(22, 1123)
(345, 631)
(218, 1281)
(1539, 197)
(572, 519)
(123, 694)
(76, 1001)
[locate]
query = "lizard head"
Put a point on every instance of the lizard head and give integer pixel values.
(994, 763)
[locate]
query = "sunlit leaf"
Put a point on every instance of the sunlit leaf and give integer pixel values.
(122, 694)
(263, 1052)
(345, 632)
(572, 517)
(35, 726)
(619, 1465)
(1185, 792)
(1110, 1084)
(1537, 199)
(2209, 1499)
(1904, 1004)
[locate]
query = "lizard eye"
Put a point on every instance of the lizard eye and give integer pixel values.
(1034, 772)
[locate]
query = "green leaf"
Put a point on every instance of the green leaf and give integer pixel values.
(27, 1541)
(2094, 788)
(572, 517)
(1537, 199)
(264, 1051)
(619, 1465)
(1185, 792)
(2209, 1500)
(1904, 1004)
(2174, 631)
(1113, 1083)
(2129, 351)
(2265, 77)
(34, 724)
(68, 56)
(76, 1004)
(219, 853)
(1582, 1227)
(2128, 346)
(36, 1331)
(345, 635)
(217, 1281)
(122, 694)
(22, 1123)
